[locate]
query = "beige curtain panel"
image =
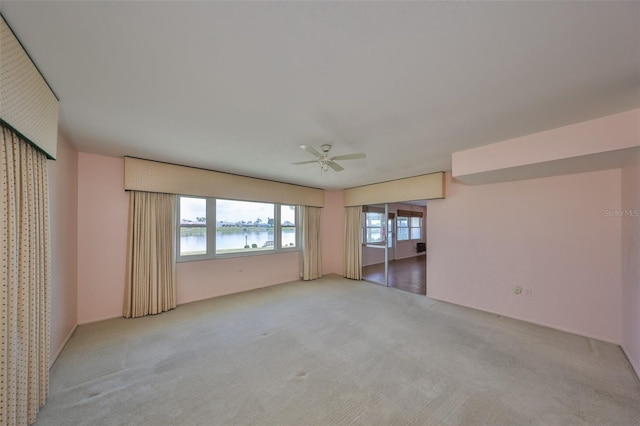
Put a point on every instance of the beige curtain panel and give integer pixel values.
(25, 298)
(353, 243)
(311, 249)
(151, 277)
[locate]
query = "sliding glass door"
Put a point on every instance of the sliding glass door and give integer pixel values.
(394, 245)
(374, 243)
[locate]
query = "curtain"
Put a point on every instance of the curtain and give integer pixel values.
(25, 298)
(311, 250)
(151, 280)
(353, 243)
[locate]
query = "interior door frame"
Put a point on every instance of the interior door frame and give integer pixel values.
(391, 235)
(384, 225)
(389, 255)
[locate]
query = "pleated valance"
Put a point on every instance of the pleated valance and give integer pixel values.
(153, 176)
(425, 187)
(28, 106)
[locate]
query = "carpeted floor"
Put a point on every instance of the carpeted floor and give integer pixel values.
(334, 351)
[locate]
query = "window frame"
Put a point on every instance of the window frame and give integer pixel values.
(409, 216)
(278, 219)
(211, 225)
(205, 226)
(398, 228)
(365, 228)
(411, 228)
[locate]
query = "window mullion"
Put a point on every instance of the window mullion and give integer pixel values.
(178, 232)
(298, 227)
(211, 227)
(277, 229)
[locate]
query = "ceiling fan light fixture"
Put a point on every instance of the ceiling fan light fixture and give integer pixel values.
(327, 162)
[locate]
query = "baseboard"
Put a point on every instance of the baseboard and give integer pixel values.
(542, 324)
(99, 319)
(635, 368)
(55, 356)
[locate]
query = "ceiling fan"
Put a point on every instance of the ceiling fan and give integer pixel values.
(324, 160)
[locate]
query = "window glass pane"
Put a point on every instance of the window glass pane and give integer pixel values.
(374, 235)
(193, 231)
(402, 228)
(416, 222)
(287, 226)
(373, 227)
(403, 234)
(374, 219)
(243, 226)
(416, 234)
(193, 211)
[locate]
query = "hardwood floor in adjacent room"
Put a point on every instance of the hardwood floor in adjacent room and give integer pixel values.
(408, 274)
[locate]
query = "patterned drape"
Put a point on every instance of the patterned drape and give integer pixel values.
(311, 249)
(25, 297)
(151, 277)
(353, 243)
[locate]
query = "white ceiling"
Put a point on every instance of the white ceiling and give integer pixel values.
(238, 86)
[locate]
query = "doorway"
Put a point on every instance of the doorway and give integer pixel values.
(375, 237)
(398, 258)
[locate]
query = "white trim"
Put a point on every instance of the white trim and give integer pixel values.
(102, 319)
(635, 368)
(542, 324)
(64, 343)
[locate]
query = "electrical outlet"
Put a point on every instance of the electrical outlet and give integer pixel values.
(517, 290)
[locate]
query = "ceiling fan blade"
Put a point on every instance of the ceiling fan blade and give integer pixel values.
(305, 162)
(312, 151)
(358, 156)
(335, 166)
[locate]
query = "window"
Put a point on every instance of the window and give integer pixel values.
(409, 225)
(243, 226)
(288, 227)
(402, 228)
(193, 226)
(240, 228)
(416, 228)
(373, 230)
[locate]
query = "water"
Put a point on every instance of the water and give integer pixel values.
(234, 240)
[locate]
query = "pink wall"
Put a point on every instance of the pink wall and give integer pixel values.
(631, 262)
(372, 255)
(102, 244)
(211, 278)
(332, 233)
(102, 237)
(63, 205)
(550, 235)
(604, 134)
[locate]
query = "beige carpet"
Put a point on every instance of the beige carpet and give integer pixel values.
(335, 351)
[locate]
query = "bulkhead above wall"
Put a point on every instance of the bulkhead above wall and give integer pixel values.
(599, 144)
